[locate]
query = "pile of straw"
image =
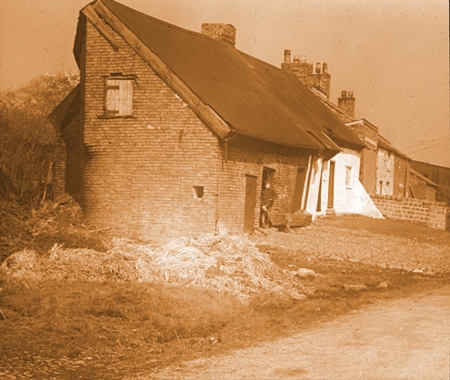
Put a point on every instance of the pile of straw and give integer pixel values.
(226, 263)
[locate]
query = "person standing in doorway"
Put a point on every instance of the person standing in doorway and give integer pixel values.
(267, 198)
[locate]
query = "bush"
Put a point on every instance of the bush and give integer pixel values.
(27, 139)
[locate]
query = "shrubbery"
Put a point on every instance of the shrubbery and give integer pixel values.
(27, 140)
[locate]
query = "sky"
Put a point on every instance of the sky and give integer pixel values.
(393, 54)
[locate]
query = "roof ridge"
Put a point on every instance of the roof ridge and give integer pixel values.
(166, 23)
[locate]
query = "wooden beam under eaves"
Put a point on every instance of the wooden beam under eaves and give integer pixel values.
(203, 111)
(92, 16)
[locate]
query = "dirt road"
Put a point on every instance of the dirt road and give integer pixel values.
(401, 339)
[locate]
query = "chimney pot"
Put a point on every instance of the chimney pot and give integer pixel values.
(325, 67)
(287, 55)
(318, 68)
(350, 94)
(343, 94)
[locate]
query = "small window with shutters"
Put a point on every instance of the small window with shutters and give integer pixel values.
(119, 95)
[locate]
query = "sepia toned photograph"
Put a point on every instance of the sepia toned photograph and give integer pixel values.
(224, 189)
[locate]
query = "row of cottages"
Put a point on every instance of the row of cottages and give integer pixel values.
(383, 170)
(172, 132)
(341, 174)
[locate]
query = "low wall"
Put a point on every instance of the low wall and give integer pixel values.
(432, 214)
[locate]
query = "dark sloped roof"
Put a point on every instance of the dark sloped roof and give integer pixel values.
(254, 98)
(423, 178)
(386, 144)
(66, 110)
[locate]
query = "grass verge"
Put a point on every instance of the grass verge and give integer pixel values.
(126, 327)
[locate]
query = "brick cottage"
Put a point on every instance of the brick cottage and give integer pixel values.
(172, 132)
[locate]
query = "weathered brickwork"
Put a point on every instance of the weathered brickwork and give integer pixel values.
(401, 176)
(432, 214)
(362, 130)
(220, 32)
(138, 174)
(142, 169)
(244, 161)
(347, 103)
(320, 79)
(70, 160)
(421, 189)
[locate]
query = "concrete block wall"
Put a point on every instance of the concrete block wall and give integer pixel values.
(432, 214)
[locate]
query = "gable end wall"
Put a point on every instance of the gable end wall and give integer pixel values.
(141, 170)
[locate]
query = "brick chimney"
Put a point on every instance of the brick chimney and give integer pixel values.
(304, 71)
(220, 32)
(346, 103)
(298, 67)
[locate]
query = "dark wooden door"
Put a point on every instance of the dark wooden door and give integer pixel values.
(331, 185)
(250, 203)
(369, 170)
(299, 186)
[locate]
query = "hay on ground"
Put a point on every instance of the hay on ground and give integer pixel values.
(226, 263)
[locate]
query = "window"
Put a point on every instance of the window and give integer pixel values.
(119, 95)
(348, 177)
(198, 192)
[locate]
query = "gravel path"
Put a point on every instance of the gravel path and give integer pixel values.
(396, 340)
(384, 250)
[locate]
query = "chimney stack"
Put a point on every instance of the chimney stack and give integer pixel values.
(346, 103)
(287, 56)
(220, 32)
(304, 71)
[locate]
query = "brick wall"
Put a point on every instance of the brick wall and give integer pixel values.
(243, 161)
(363, 130)
(141, 170)
(401, 177)
(432, 214)
(70, 162)
(421, 189)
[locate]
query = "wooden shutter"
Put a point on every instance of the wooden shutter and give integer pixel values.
(112, 95)
(126, 97)
(119, 96)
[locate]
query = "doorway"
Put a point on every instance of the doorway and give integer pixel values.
(250, 203)
(267, 176)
